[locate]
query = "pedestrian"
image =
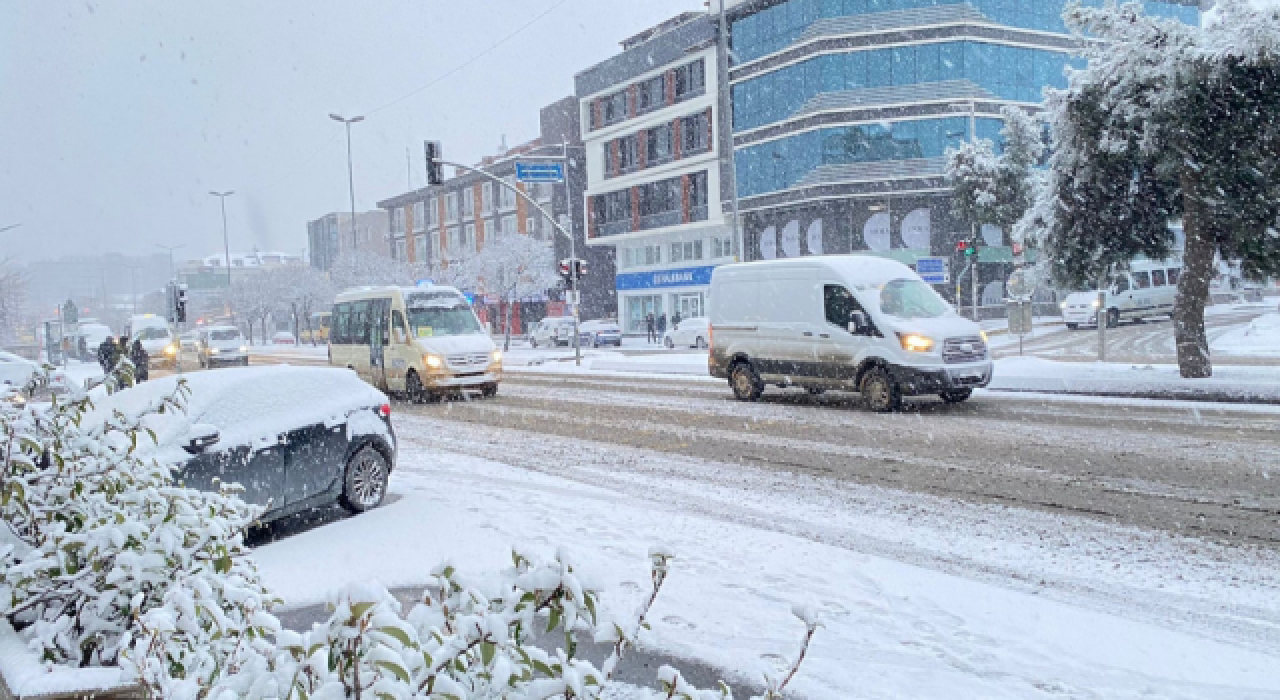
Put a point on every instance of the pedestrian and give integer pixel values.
(675, 320)
(123, 348)
(108, 353)
(82, 349)
(662, 324)
(141, 361)
(650, 327)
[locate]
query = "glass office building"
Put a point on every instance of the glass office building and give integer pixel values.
(843, 111)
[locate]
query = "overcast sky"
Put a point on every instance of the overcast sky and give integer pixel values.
(117, 118)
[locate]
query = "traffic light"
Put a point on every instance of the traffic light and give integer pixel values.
(963, 248)
(179, 302)
(435, 170)
(579, 268)
(566, 270)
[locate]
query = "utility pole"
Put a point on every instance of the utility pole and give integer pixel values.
(726, 129)
(351, 176)
(226, 245)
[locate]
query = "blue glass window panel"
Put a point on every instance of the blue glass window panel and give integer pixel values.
(904, 65)
(879, 68)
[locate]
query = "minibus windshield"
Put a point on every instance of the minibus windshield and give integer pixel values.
(438, 321)
(911, 299)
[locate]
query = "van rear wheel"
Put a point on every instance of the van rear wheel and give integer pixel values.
(745, 382)
(880, 392)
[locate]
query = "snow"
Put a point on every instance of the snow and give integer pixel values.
(1261, 338)
(1229, 382)
(27, 676)
(754, 546)
(249, 406)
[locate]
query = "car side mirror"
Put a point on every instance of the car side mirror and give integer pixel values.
(202, 438)
(858, 323)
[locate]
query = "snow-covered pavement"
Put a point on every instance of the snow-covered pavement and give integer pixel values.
(923, 597)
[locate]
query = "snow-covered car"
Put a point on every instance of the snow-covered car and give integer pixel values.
(689, 333)
(222, 345)
(295, 438)
(17, 372)
(594, 334)
(284, 338)
(157, 339)
(552, 331)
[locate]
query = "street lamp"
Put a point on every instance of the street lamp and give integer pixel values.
(351, 177)
(226, 246)
(169, 248)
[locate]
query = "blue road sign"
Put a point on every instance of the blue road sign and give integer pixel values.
(540, 172)
(934, 270)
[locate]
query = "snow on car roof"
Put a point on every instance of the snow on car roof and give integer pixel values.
(871, 269)
(249, 406)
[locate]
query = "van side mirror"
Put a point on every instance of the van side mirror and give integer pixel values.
(202, 438)
(858, 323)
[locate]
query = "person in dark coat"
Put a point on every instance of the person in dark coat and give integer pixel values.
(650, 327)
(662, 324)
(82, 349)
(124, 346)
(675, 320)
(138, 355)
(108, 354)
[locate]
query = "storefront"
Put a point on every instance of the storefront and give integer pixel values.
(662, 293)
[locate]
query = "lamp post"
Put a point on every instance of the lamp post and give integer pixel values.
(351, 177)
(226, 246)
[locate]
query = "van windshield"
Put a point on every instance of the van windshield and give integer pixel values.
(152, 334)
(224, 335)
(438, 321)
(911, 299)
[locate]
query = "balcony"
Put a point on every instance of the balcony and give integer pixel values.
(615, 228)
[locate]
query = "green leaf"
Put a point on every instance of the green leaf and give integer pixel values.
(359, 609)
(554, 622)
(591, 607)
(487, 651)
(543, 669)
(394, 668)
(397, 634)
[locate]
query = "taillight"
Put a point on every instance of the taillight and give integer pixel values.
(385, 410)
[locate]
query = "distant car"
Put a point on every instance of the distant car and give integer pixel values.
(595, 334)
(221, 345)
(688, 333)
(552, 331)
(295, 438)
(157, 339)
(17, 372)
(284, 338)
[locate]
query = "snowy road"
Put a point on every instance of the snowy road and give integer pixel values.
(1206, 470)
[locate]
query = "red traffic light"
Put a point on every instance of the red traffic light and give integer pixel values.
(962, 247)
(566, 268)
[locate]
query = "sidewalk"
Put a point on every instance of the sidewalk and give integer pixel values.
(1233, 384)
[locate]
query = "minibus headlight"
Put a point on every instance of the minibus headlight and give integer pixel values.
(497, 356)
(171, 350)
(1096, 303)
(985, 338)
(913, 342)
(433, 361)
(1063, 306)
(244, 348)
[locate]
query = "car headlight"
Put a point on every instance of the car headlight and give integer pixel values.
(913, 342)
(985, 338)
(1096, 303)
(171, 350)
(433, 361)
(1063, 306)
(244, 348)
(497, 356)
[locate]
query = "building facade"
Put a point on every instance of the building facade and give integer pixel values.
(843, 111)
(650, 125)
(437, 225)
(330, 236)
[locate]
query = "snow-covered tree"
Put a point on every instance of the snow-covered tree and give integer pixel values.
(513, 268)
(252, 300)
(997, 189)
(363, 269)
(1167, 122)
(13, 293)
(96, 538)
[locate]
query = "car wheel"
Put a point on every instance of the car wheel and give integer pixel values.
(700, 343)
(957, 395)
(1073, 326)
(490, 391)
(365, 484)
(745, 382)
(413, 388)
(880, 392)
(668, 342)
(1113, 318)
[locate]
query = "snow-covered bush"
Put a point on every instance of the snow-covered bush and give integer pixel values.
(96, 538)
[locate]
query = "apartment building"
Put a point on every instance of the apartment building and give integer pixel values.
(330, 236)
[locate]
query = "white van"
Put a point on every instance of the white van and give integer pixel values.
(552, 331)
(421, 341)
(1147, 288)
(852, 322)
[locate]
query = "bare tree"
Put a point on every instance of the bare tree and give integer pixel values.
(304, 290)
(512, 269)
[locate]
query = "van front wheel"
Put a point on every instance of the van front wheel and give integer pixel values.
(880, 392)
(746, 384)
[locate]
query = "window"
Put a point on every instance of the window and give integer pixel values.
(613, 108)
(399, 329)
(341, 323)
(451, 207)
(469, 203)
(420, 247)
(1121, 285)
(911, 298)
(531, 226)
(544, 192)
(628, 154)
(1142, 280)
(433, 212)
(469, 238)
(613, 212)
(507, 198)
(401, 251)
(1158, 278)
(454, 242)
(507, 225)
(691, 80)
(839, 304)
(684, 252)
(359, 322)
(1174, 274)
(722, 246)
(660, 144)
(651, 94)
(653, 255)
(486, 197)
(695, 134)
(698, 198)
(397, 220)
(419, 216)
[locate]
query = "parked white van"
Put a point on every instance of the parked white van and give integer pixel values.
(421, 341)
(850, 322)
(1148, 288)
